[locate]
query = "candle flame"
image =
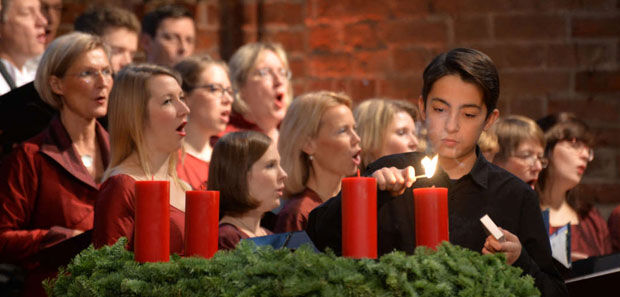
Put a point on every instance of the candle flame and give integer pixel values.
(429, 166)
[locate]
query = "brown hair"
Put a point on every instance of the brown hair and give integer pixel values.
(192, 68)
(559, 127)
(97, 20)
(511, 131)
(233, 157)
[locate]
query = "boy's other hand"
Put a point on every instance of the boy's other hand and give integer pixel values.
(394, 180)
(512, 246)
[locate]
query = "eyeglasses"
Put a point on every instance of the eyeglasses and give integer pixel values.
(91, 75)
(266, 73)
(579, 146)
(531, 158)
(218, 90)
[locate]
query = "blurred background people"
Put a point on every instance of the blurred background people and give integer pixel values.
(569, 150)
(52, 11)
(319, 146)
(209, 96)
(22, 37)
(488, 145)
(260, 73)
(147, 120)
(246, 170)
(118, 27)
(168, 35)
(386, 127)
(49, 183)
(521, 147)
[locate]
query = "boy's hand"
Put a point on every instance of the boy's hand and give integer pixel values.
(394, 180)
(512, 246)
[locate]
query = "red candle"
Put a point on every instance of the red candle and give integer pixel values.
(201, 223)
(431, 216)
(152, 226)
(359, 217)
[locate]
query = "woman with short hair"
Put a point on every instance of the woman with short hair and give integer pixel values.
(319, 146)
(246, 171)
(147, 119)
(48, 185)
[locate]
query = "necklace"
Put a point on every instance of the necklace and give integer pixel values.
(87, 160)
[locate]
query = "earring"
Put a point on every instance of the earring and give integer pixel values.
(310, 157)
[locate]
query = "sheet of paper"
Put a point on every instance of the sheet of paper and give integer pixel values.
(560, 245)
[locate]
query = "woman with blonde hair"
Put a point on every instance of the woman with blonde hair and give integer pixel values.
(569, 150)
(386, 127)
(319, 146)
(261, 73)
(520, 147)
(209, 96)
(49, 183)
(147, 118)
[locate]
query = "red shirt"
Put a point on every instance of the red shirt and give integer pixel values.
(590, 236)
(294, 214)
(115, 211)
(229, 236)
(193, 170)
(43, 184)
(613, 224)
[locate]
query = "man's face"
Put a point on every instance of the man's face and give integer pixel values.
(22, 34)
(173, 41)
(51, 10)
(455, 116)
(124, 44)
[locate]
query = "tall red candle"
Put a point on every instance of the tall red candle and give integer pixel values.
(359, 217)
(152, 226)
(201, 223)
(431, 216)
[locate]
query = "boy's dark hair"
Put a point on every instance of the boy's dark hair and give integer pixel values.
(151, 20)
(471, 66)
(233, 157)
(96, 20)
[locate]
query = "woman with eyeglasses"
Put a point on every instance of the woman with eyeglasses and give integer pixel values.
(520, 147)
(49, 184)
(569, 150)
(209, 95)
(261, 73)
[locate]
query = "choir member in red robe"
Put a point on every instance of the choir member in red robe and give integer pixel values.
(209, 96)
(48, 185)
(147, 124)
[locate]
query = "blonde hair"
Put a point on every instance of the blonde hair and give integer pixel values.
(511, 131)
(58, 58)
(373, 117)
(301, 123)
(128, 114)
(242, 63)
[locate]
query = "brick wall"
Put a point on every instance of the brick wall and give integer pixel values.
(553, 55)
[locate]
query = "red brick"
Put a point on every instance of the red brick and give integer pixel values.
(292, 41)
(609, 137)
(362, 35)
(459, 7)
(515, 55)
(401, 87)
(325, 38)
(603, 164)
(213, 15)
(412, 59)
(471, 28)
(371, 63)
(70, 11)
(414, 32)
(286, 13)
(598, 81)
(534, 82)
(249, 13)
(318, 84)
(533, 107)
(580, 5)
(593, 27)
(530, 27)
(206, 38)
(329, 65)
(362, 89)
(591, 110)
(298, 67)
(407, 8)
(299, 87)
(349, 9)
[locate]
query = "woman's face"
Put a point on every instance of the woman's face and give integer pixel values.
(211, 99)
(167, 114)
(85, 87)
(266, 88)
(266, 179)
(336, 147)
(568, 161)
(400, 136)
(526, 162)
